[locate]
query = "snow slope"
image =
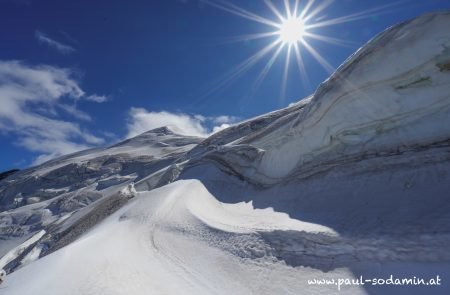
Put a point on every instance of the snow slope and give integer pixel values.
(350, 181)
(161, 242)
(390, 96)
(67, 196)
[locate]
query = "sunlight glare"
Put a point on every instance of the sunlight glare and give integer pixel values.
(292, 30)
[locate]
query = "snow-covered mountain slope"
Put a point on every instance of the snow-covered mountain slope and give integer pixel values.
(161, 242)
(353, 180)
(391, 96)
(67, 196)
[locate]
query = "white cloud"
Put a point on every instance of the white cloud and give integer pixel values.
(220, 127)
(72, 110)
(140, 120)
(58, 46)
(27, 90)
(97, 98)
(224, 119)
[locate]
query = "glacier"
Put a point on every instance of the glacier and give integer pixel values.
(351, 181)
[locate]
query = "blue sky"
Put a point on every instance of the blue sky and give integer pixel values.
(78, 74)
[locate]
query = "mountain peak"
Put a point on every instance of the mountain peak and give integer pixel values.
(161, 131)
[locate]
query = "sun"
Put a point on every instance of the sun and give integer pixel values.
(292, 30)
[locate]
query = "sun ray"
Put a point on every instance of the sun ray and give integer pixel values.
(294, 26)
(322, 61)
(317, 10)
(267, 68)
(249, 37)
(240, 68)
(306, 9)
(238, 11)
(287, 6)
(331, 40)
(285, 74)
(295, 11)
(274, 9)
(355, 16)
(301, 65)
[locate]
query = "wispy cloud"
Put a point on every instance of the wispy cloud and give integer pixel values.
(74, 111)
(52, 43)
(222, 122)
(220, 127)
(140, 120)
(24, 91)
(97, 98)
(224, 119)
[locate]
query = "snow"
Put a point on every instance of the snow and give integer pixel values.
(14, 253)
(351, 181)
(158, 244)
(61, 193)
(180, 237)
(374, 101)
(32, 255)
